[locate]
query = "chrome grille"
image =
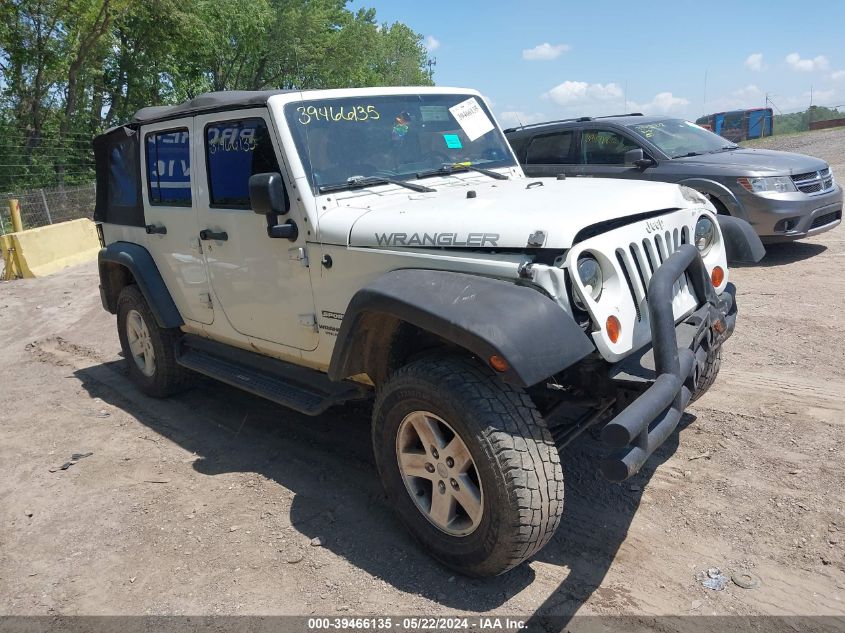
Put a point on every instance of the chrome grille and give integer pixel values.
(641, 259)
(814, 182)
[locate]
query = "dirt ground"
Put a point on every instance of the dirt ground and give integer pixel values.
(208, 503)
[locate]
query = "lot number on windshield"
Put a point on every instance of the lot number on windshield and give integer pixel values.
(472, 118)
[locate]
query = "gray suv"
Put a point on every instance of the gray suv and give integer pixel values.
(784, 196)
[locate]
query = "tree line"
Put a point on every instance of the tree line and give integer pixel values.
(800, 121)
(71, 68)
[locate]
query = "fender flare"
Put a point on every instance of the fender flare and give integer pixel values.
(742, 244)
(717, 190)
(140, 264)
(482, 315)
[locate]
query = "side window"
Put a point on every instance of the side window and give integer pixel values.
(234, 151)
(169, 168)
(550, 149)
(123, 174)
(602, 147)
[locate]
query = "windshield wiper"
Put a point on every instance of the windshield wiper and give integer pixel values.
(358, 182)
(448, 169)
(688, 154)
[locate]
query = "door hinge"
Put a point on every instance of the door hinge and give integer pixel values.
(299, 254)
(196, 245)
(309, 321)
(205, 298)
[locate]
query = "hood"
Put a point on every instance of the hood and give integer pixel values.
(743, 161)
(518, 213)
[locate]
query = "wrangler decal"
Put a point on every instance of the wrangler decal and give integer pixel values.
(437, 239)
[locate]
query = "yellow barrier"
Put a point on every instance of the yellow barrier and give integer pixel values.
(47, 249)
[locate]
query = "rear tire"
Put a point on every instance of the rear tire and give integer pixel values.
(149, 350)
(506, 503)
(708, 376)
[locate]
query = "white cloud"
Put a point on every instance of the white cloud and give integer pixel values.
(750, 90)
(662, 103)
(819, 62)
(749, 96)
(545, 51)
(580, 92)
(511, 118)
(754, 61)
(431, 43)
(837, 75)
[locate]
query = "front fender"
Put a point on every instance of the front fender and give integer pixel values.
(484, 316)
(716, 190)
(742, 244)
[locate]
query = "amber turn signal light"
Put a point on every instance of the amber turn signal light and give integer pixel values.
(717, 276)
(613, 328)
(498, 363)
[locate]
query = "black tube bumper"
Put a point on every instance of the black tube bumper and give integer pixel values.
(679, 354)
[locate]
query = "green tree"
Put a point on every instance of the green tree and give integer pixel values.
(71, 68)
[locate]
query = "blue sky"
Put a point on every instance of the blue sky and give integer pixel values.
(542, 60)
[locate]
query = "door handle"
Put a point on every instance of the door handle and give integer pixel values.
(207, 234)
(153, 229)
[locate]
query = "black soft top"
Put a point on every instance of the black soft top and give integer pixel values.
(207, 102)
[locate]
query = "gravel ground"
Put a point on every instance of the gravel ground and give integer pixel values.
(210, 502)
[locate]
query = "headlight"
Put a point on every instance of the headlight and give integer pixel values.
(589, 272)
(705, 234)
(773, 184)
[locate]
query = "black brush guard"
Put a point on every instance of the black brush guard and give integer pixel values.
(649, 420)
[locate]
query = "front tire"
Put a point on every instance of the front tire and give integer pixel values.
(468, 463)
(149, 350)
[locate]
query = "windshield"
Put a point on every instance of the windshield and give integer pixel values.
(399, 137)
(676, 138)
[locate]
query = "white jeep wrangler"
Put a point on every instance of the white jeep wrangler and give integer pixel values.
(322, 246)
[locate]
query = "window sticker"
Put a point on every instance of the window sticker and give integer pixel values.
(472, 119)
(401, 125)
(453, 141)
(434, 113)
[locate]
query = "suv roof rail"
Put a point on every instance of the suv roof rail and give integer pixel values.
(579, 119)
(610, 116)
(527, 125)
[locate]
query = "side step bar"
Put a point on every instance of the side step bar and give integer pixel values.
(299, 388)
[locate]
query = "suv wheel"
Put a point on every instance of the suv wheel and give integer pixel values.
(468, 463)
(149, 350)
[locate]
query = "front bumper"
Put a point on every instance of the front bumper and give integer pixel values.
(792, 216)
(677, 356)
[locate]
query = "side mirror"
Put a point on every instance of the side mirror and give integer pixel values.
(268, 195)
(636, 158)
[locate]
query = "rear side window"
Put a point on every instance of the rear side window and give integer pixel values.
(602, 147)
(550, 149)
(169, 168)
(236, 150)
(122, 174)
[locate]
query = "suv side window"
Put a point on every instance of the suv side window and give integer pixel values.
(234, 151)
(603, 147)
(550, 149)
(169, 168)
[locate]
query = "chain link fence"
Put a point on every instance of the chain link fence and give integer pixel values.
(40, 207)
